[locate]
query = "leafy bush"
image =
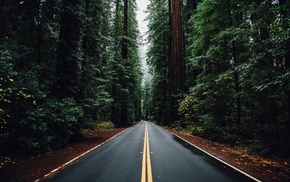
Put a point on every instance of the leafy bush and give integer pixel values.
(6, 90)
(106, 125)
(51, 125)
(271, 139)
(92, 128)
(4, 100)
(261, 139)
(187, 107)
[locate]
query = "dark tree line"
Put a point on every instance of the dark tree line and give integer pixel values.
(230, 65)
(65, 64)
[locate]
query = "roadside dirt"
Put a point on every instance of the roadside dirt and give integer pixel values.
(261, 168)
(26, 169)
(35, 167)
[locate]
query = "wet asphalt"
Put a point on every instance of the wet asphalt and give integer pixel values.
(172, 160)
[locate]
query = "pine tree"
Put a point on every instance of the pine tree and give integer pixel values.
(125, 65)
(158, 59)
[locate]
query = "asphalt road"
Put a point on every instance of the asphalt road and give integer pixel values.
(145, 152)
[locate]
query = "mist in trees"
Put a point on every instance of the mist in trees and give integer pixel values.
(64, 65)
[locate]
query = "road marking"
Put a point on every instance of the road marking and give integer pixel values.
(143, 177)
(78, 157)
(146, 161)
(222, 161)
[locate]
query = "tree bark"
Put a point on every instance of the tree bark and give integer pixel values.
(124, 110)
(125, 33)
(114, 115)
(176, 65)
(68, 67)
(236, 74)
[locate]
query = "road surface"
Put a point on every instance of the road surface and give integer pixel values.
(145, 152)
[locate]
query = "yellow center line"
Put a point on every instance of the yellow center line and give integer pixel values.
(149, 171)
(143, 177)
(146, 159)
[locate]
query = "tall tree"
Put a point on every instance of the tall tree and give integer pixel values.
(124, 107)
(125, 64)
(176, 65)
(235, 65)
(158, 59)
(68, 67)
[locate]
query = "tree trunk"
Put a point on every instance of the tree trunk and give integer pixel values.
(169, 61)
(125, 33)
(124, 109)
(114, 115)
(68, 67)
(176, 64)
(236, 74)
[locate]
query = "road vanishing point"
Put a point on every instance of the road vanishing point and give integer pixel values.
(145, 152)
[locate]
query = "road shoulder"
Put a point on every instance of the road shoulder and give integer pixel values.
(35, 167)
(261, 168)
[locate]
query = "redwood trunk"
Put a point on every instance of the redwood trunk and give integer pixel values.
(176, 64)
(124, 113)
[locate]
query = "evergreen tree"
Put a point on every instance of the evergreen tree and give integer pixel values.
(68, 67)
(47, 105)
(158, 59)
(176, 64)
(125, 65)
(240, 70)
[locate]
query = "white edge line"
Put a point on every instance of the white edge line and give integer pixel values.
(224, 162)
(69, 162)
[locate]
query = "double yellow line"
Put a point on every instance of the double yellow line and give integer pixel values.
(146, 162)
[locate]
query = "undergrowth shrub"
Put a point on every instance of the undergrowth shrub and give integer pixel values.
(106, 125)
(50, 126)
(216, 133)
(261, 139)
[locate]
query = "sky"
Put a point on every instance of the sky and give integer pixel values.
(141, 15)
(143, 28)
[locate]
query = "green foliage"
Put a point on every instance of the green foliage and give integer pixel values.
(125, 72)
(186, 107)
(5, 92)
(106, 125)
(92, 128)
(158, 61)
(262, 139)
(239, 51)
(59, 61)
(52, 125)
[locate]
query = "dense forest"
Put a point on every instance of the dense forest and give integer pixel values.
(65, 65)
(221, 70)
